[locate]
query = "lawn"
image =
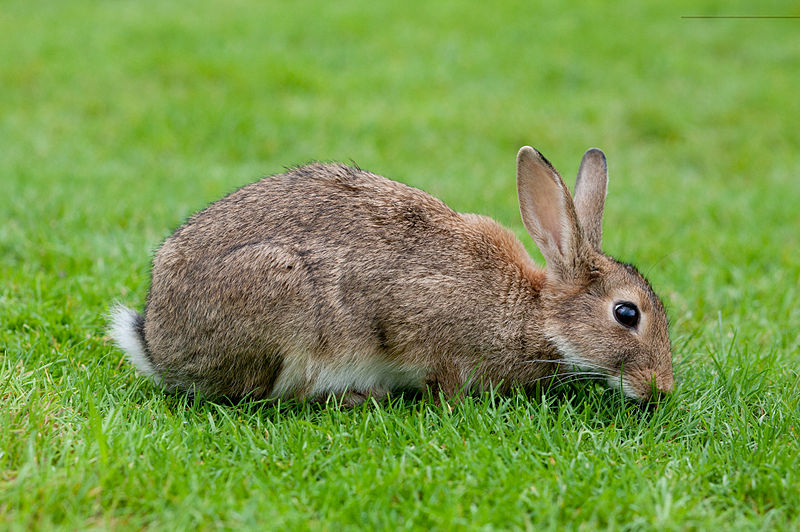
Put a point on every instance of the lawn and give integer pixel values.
(119, 119)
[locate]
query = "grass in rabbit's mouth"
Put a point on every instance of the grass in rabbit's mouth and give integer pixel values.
(119, 119)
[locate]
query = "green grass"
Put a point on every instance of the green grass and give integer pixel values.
(118, 119)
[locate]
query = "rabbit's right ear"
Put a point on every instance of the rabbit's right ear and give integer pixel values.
(590, 195)
(549, 214)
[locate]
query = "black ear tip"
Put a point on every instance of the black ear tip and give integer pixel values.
(526, 153)
(595, 154)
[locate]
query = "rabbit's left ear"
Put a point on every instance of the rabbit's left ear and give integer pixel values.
(549, 214)
(590, 195)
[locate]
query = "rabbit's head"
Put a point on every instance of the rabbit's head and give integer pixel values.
(602, 315)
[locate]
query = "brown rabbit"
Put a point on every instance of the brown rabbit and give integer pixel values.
(331, 280)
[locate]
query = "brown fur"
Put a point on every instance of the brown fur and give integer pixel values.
(330, 279)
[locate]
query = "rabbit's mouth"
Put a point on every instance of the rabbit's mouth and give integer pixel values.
(583, 368)
(644, 384)
(620, 382)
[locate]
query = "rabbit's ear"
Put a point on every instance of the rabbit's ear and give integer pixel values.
(548, 213)
(590, 195)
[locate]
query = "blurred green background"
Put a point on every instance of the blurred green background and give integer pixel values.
(119, 119)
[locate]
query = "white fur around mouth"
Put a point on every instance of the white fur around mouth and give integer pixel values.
(615, 382)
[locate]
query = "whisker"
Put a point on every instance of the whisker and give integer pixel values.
(575, 379)
(572, 376)
(536, 360)
(594, 365)
(577, 363)
(585, 376)
(562, 361)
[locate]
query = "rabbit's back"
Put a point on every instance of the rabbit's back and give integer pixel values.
(323, 279)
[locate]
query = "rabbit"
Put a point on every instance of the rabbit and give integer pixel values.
(330, 280)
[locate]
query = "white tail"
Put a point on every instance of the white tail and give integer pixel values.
(125, 331)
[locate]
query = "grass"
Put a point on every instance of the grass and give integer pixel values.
(119, 119)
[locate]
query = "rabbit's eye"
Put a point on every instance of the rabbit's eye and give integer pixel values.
(627, 314)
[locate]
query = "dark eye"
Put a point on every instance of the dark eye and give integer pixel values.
(627, 314)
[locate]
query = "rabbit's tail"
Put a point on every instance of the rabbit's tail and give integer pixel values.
(127, 331)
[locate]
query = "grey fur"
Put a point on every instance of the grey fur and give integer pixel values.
(331, 280)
